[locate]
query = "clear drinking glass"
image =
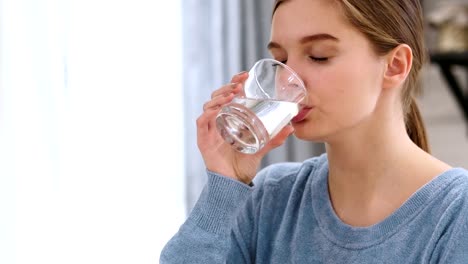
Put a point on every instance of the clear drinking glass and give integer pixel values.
(271, 98)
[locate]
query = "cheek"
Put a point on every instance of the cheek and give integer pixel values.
(348, 91)
(337, 86)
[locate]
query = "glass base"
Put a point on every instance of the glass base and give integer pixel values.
(241, 128)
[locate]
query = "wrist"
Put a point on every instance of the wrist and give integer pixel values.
(245, 180)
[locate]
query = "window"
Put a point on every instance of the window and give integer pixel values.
(91, 130)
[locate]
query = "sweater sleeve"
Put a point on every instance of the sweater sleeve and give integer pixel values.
(205, 237)
(459, 254)
(458, 244)
(455, 236)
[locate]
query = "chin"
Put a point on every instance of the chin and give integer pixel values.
(307, 135)
(308, 132)
(310, 138)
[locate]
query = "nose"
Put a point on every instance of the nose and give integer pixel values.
(297, 69)
(294, 62)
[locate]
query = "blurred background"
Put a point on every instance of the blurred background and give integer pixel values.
(444, 109)
(98, 102)
(91, 130)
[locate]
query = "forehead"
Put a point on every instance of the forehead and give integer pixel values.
(294, 19)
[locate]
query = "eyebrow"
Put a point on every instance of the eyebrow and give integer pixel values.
(306, 39)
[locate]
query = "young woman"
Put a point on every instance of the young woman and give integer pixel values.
(376, 196)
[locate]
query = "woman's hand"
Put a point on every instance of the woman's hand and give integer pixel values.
(218, 155)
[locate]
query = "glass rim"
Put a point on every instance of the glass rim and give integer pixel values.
(286, 67)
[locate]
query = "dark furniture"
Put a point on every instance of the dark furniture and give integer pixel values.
(446, 62)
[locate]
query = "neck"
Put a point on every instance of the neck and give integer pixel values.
(373, 170)
(365, 152)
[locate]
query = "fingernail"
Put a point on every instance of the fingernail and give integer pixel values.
(242, 72)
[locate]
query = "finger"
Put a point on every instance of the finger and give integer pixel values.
(203, 131)
(281, 137)
(278, 140)
(212, 121)
(218, 102)
(205, 124)
(230, 88)
(240, 77)
(235, 86)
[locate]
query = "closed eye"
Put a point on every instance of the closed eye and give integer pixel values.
(319, 59)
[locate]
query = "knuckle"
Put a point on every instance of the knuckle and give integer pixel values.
(200, 120)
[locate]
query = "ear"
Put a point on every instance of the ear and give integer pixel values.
(399, 62)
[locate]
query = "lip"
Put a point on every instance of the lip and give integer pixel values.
(302, 114)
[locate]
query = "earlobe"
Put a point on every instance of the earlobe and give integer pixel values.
(399, 62)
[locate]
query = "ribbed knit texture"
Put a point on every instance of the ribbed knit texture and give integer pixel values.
(218, 202)
(287, 217)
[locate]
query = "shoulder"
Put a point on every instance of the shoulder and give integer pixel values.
(454, 220)
(449, 204)
(457, 189)
(451, 194)
(283, 186)
(287, 173)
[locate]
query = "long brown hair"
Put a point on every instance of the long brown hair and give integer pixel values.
(387, 24)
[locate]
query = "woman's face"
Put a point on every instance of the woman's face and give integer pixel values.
(342, 73)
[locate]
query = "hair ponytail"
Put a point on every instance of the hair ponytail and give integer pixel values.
(415, 126)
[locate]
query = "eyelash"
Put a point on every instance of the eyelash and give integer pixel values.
(319, 59)
(315, 59)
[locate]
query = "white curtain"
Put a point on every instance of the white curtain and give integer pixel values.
(91, 130)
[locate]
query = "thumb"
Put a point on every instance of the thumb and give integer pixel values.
(278, 140)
